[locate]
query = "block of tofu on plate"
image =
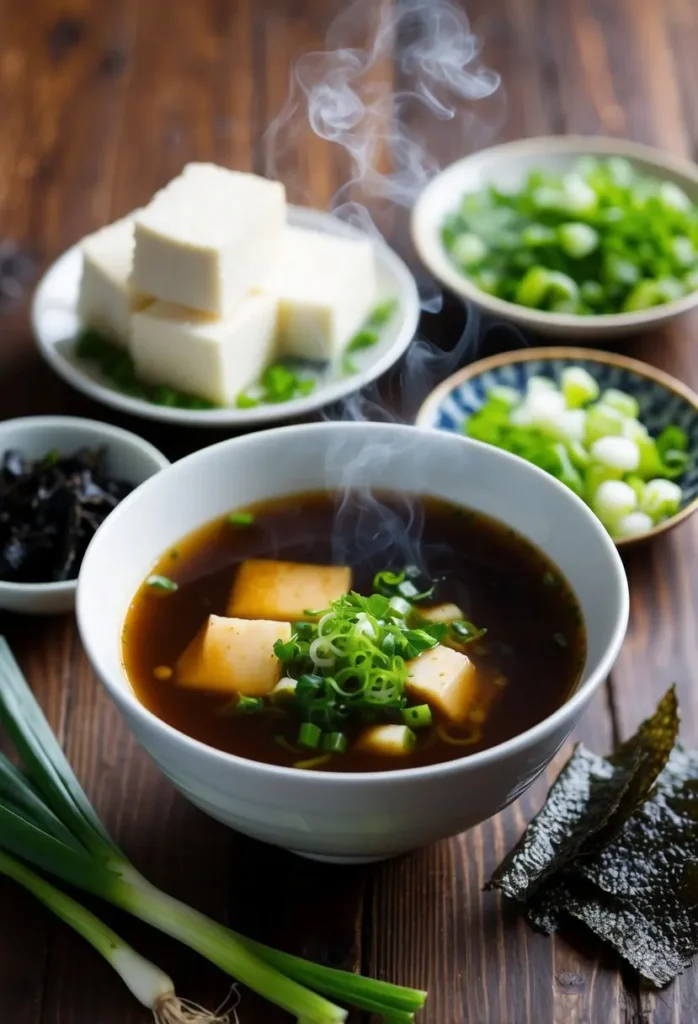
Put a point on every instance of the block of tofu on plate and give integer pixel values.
(285, 591)
(326, 287)
(205, 240)
(233, 656)
(211, 358)
(107, 297)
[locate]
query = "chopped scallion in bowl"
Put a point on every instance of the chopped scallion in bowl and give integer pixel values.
(620, 434)
(575, 237)
(598, 238)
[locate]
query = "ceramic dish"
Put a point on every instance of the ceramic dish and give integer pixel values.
(129, 458)
(663, 400)
(507, 166)
(55, 325)
(364, 815)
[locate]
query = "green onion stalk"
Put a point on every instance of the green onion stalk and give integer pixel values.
(150, 986)
(47, 820)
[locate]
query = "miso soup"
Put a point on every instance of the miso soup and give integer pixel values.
(345, 633)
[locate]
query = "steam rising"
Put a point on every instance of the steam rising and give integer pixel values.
(389, 75)
(396, 83)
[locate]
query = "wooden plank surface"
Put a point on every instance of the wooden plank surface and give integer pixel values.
(100, 105)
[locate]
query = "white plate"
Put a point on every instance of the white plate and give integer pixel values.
(507, 166)
(55, 325)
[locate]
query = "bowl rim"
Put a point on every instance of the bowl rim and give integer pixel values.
(427, 241)
(230, 416)
(126, 700)
(92, 428)
(425, 415)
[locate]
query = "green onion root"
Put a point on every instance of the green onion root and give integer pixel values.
(171, 1010)
(223, 948)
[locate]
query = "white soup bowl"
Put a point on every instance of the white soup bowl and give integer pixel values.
(364, 816)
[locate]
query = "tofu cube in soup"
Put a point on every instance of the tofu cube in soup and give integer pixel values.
(286, 591)
(107, 297)
(325, 287)
(444, 679)
(213, 359)
(206, 239)
(441, 613)
(233, 656)
(386, 741)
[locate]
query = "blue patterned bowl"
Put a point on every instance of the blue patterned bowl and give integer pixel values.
(663, 400)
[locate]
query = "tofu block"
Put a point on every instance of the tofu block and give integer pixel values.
(326, 287)
(213, 359)
(107, 299)
(444, 679)
(386, 740)
(441, 613)
(284, 591)
(233, 656)
(206, 239)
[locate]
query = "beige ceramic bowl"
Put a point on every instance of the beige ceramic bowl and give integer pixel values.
(507, 166)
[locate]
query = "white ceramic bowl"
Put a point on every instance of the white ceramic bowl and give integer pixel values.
(507, 166)
(367, 816)
(129, 458)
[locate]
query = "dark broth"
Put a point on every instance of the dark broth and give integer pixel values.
(530, 660)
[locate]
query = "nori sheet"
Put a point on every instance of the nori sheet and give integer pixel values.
(616, 847)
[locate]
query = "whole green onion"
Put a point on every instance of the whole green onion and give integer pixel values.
(47, 820)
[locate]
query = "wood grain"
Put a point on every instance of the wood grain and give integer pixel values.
(99, 106)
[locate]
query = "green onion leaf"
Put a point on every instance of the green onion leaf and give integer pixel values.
(418, 717)
(335, 743)
(241, 518)
(106, 873)
(249, 705)
(164, 583)
(309, 736)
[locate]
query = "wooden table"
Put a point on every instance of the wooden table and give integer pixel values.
(100, 104)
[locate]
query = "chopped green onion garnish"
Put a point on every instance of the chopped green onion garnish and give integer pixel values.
(278, 383)
(382, 314)
(417, 717)
(309, 736)
(115, 364)
(241, 518)
(249, 705)
(162, 583)
(350, 667)
(368, 335)
(335, 742)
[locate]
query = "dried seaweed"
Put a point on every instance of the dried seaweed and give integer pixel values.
(616, 847)
(580, 802)
(50, 509)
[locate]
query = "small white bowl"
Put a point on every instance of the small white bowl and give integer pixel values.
(128, 458)
(508, 166)
(364, 816)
